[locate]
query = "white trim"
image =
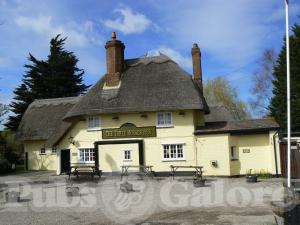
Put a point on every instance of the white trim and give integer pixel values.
(79, 159)
(129, 150)
(93, 128)
(172, 142)
(235, 153)
(167, 125)
(173, 159)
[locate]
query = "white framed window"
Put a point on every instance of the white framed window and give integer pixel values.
(93, 123)
(43, 151)
(173, 152)
(127, 155)
(233, 153)
(164, 119)
(53, 150)
(87, 155)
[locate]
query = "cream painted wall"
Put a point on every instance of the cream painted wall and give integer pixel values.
(181, 132)
(111, 157)
(198, 150)
(213, 147)
(261, 155)
(36, 161)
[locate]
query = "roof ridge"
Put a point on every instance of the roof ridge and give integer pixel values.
(55, 99)
(257, 119)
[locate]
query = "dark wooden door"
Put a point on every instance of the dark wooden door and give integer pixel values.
(295, 160)
(26, 160)
(65, 161)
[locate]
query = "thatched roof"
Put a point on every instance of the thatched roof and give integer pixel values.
(43, 120)
(239, 126)
(147, 84)
(218, 113)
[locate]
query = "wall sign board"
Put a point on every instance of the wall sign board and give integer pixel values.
(129, 131)
(246, 150)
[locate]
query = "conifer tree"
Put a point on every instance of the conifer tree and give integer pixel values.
(58, 76)
(278, 104)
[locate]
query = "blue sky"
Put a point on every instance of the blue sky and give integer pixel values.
(232, 34)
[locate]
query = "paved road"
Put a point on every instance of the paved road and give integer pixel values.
(154, 202)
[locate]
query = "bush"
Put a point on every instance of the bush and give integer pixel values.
(263, 174)
(5, 166)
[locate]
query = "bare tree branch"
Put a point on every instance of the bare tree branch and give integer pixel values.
(261, 89)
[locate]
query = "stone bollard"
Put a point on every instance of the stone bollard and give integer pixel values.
(12, 197)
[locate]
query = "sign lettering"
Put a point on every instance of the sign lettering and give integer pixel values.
(129, 132)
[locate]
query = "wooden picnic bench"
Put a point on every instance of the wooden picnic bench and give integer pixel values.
(142, 170)
(84, 169)
(197, 171)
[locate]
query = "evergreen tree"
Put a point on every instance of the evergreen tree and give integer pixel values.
(278, 104)
(56, 77)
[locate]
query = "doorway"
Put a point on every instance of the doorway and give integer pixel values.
(26, 160)
(65, 161)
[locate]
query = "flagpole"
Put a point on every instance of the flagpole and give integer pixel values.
(288, 94)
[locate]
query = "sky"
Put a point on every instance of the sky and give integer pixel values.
(231, 34)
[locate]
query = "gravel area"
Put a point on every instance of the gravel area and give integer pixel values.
(161, 201)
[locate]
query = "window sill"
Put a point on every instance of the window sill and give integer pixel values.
(172, 160)
(93, 129)
(234, 159)
(43, 154)
(169, 126)
(53, 153)
(127, 160)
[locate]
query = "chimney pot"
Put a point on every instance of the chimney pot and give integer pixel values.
(114, 35)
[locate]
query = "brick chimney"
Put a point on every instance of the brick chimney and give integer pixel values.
(197, 70)
(114, 60)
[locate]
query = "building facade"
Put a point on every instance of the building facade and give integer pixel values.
(146, 111)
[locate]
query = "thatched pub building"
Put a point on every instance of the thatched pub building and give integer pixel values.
(145, 111)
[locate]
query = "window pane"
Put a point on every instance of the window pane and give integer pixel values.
(96, 122)
(179, 151)
(168, 118)
(160, 119)
(173, 151)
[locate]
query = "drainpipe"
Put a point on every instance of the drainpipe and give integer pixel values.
(275, 153)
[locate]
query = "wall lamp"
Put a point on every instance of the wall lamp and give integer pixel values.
(71, 140)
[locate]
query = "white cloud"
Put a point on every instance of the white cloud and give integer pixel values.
(78, 35)
(129, 22)
(174, 55)
(232, 34)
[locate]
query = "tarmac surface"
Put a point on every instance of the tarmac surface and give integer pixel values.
(161, 201)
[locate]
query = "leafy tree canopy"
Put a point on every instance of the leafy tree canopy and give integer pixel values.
(219, 91)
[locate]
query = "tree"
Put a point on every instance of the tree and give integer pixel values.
(262, 83)
(3, 111)
(278, 104)
(219, 91)
(58, 76)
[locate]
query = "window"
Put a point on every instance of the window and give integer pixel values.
(164, 119)
(87, 155)
(233, 153)
(127, 155)
(43, 151)
(173, 152)
(54, 150)
(93, 123)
